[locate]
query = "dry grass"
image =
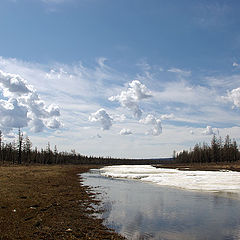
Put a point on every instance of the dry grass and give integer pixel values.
(235, 166)
(47, 202)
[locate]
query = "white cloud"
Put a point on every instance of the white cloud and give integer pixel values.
(76, 88)
(144, 65)
(156, 130)
(101, 62)
(180, 72)
(80, 90)
(167, 116)
(132, 96)
(10, 135)
(183, 92)
(13, 85)
(36, 125)
(234, 96)
(223, 82)
(53, 123)
(208, 131)
(22, 107)
(119, 118)
(13, 115)
(102, 117)
(235, 64)
(194, 103)
(125, 131)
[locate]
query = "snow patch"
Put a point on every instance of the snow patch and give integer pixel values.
(211, 181)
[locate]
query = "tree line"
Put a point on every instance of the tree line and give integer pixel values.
(20, 151)
(218, 151)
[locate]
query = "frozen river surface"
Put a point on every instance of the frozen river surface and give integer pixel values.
(166, 209)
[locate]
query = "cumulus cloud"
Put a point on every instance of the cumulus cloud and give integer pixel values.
(234, 97)
(132, 96)
(156, 130)
(119, 118)
(125, 131)
(102, 117)
(13, 85)
(13, 115)
(38, 107)
(208, 131)
(53, 123)
(36, 125)
(22, 107)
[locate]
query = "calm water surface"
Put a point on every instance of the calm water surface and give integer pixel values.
(140, 210)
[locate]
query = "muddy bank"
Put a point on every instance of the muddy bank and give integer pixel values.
(47, 202)
(235, 166)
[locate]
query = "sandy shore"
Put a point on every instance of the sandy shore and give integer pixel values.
(47, 202)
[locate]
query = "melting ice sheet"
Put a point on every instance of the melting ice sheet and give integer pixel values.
(213, 181)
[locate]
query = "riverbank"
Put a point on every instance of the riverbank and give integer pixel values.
(48, 202)
(234, 166)
(140, 209)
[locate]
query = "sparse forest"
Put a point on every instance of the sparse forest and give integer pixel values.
(22, 152)
(218, 151)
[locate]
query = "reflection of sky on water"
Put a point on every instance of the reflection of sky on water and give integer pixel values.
(146, 211)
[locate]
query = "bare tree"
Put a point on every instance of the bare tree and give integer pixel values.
(20, 141)
(1, 146)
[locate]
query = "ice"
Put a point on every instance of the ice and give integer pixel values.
(213, 181)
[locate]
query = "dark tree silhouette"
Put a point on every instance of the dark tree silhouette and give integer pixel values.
(21, 152)
(215, 153)
(1, 159)
(20, 141)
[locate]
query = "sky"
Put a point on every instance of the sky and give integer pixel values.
(129, 78)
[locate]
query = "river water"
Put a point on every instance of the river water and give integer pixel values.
(140, 210)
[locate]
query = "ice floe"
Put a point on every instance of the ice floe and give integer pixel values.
(213, 181)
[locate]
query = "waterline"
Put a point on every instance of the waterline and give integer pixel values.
(211, 181)
(139, 210)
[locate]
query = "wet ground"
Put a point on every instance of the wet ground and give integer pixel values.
(48, 202)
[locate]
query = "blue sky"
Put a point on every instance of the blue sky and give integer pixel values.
(130, 78)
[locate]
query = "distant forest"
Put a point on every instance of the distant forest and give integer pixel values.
(218, 151)
(21, 152)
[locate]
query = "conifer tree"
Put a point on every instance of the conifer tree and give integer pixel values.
(1, 145)
(20, 141)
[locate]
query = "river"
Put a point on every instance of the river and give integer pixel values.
(145, 210)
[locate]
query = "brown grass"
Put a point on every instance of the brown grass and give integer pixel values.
(47, 202)
(235, 166)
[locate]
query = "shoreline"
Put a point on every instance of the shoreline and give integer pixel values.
(221, 166)
(48, 202)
